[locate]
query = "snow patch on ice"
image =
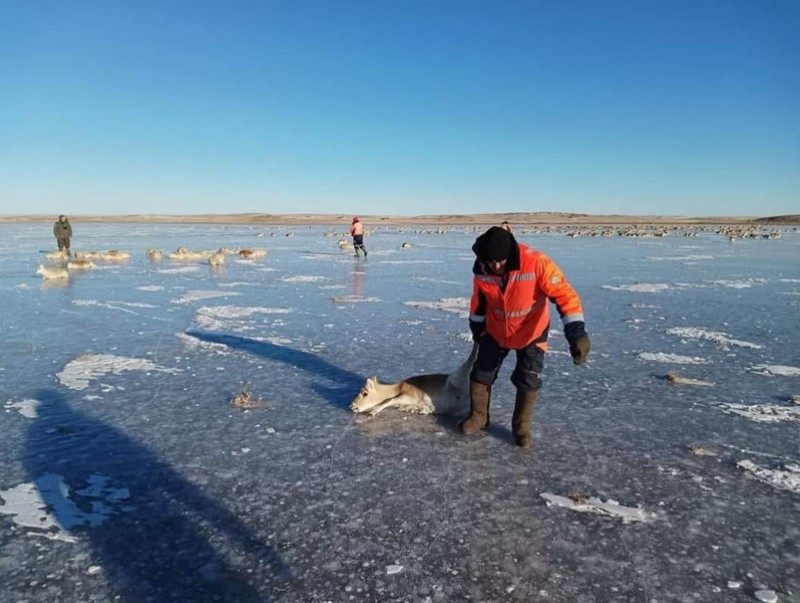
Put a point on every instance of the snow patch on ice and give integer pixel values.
(700, 333)
(783, 479)
(46, 508)
(738, 284)
(458, 305)
(27, 408)
(773, 370)
(764, 413)
(179, 270)
(682, 258)
(672, 358)
(638, 287)
(113, 305)
(601, 507)
(191, 296)
(238, 284)
(218, 318)
(150, 288)
(79, 372)
(195, 343)
(303, 278)
(353, 299)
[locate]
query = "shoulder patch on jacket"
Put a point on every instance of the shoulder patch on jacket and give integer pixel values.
(554, 280)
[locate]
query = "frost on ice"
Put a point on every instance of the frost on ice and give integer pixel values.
(458, 305)
(764, 413)
(79, 372)
(671, 358)
(783, 479)
(721, 338)
(46, 508)
(773, 370)
(27, 408)
(601, 507)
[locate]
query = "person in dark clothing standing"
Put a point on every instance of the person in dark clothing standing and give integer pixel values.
(62, 230)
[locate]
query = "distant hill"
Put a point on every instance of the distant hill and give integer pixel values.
(515, 218)
(790, 219)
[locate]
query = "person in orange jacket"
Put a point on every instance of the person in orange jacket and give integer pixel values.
(357, 232)
(513, 286)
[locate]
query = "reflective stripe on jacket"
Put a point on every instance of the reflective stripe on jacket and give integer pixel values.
(520, 314)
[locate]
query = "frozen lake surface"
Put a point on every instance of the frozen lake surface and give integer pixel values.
(127, 473)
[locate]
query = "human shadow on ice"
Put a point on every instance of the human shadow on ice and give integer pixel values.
(153, 534)
(344, 383)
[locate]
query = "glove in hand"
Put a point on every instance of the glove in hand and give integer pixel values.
(579, 349)
(477, 329)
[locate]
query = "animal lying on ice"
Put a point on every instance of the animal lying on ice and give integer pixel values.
(425, 394)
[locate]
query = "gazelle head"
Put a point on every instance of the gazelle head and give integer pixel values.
(367, 396)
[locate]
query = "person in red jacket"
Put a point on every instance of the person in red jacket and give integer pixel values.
(357, 232)
(513, 286)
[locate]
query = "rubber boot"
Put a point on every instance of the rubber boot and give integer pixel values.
(521, 421)
(479, 398)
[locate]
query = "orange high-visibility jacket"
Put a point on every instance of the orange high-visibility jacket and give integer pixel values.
(356, 228)
(520, 314)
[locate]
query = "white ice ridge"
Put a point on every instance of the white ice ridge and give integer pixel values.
(788, 479)
(150, 288)
(79, 372)
(113, 305)
(179, 269)
(300, 278)
(671, 358)
(740, 284)
(600, 507)
(27, 408)
(191, 296)
(764, 413)
(700, 333)
(638, 287)
(45, 506)
(353, 299)
(217, 318)
(459, 305)
(772, 370)
(682, 258)
(194, 343)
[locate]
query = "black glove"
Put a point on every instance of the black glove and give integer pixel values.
(579, 344)
(477, 328)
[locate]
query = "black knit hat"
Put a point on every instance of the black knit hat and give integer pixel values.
(494, 245)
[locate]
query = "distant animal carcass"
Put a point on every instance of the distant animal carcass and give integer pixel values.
(252, 254)
(52, 273)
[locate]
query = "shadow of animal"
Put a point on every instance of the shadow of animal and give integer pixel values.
(328, 380)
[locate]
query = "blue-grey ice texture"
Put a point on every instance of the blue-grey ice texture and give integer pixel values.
(127, 474)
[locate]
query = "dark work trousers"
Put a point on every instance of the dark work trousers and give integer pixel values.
(63, 243)
(526, 376)
(358, 243)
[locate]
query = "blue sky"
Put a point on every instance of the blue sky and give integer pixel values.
(400, 107)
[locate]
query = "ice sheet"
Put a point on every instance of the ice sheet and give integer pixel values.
(135, 477)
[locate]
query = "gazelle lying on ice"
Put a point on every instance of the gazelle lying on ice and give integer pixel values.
(425, 394)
